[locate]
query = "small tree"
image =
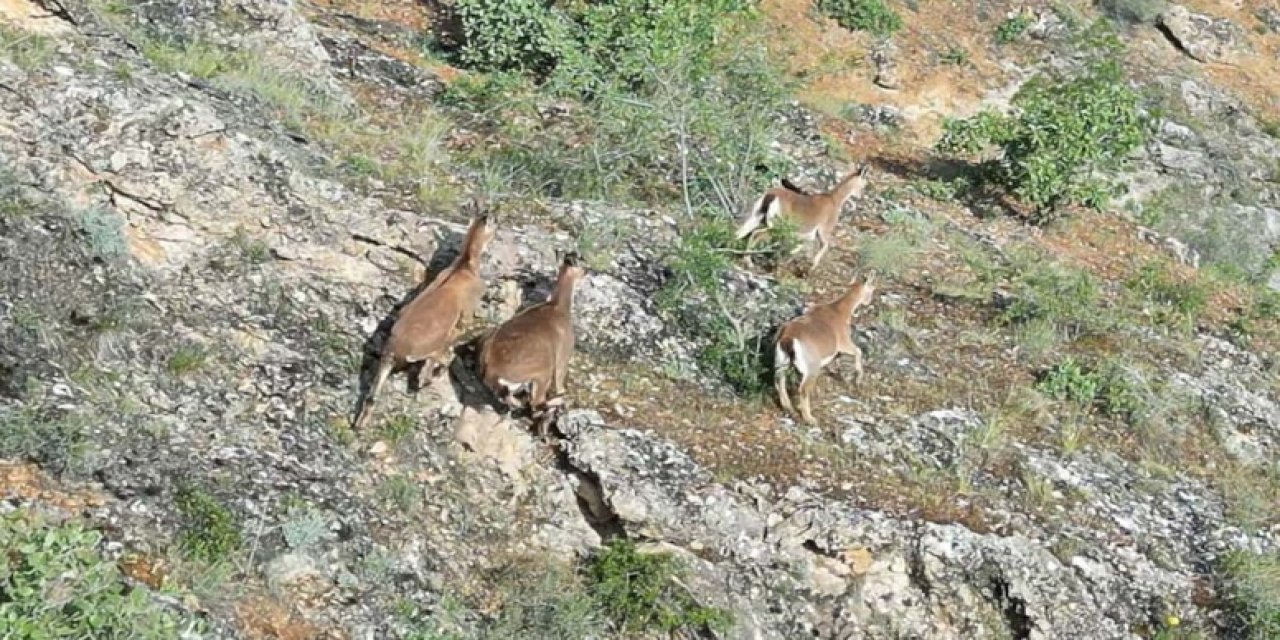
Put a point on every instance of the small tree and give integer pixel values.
(1061, 133)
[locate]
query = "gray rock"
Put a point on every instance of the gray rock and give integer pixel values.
(1204, 38)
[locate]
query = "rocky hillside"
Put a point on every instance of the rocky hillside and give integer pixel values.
(210, 211)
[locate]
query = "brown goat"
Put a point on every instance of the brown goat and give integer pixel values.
(811, 341)
(815, 214)
(530, 352)
(425, 327)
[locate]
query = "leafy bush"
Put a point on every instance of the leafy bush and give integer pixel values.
(55, 584)
(682, 121)
(1069, 380)
(587, 43)
(509, 34)
(209, 533)
(863, 15)
(639, 592)
(1012, 28)
(1252, 585)
(1061, 132)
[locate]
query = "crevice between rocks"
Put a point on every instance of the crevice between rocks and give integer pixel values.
(1013, 609)
(595, 508)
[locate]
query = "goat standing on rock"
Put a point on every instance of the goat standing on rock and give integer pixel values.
(530, 352)
(425, 328)
(814, 214)
(811, 341)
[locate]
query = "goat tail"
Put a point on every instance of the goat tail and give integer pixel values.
(756, 215)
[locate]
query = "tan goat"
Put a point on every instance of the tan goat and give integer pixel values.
(814, 214)
(530, 352)
(811, 341)
(425, 327)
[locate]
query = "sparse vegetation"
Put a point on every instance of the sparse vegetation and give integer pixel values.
(187, 358)
(1062, 131)
(210, 532)
(872, 16)
(1251, 582)
(640, 592)
(54, 583)
(27, 50)
(397, 428)
(400, 492)
(1042, 290)
(1175, 302)
(304, 527)
(49, 437)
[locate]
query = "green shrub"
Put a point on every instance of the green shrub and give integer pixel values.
(1251, 582)
(588, 44)
(683, 123)
(511, 34)
(209, 531)
(863, 15)
(1061, 131)
(1012, 28)
(1069, 380)
(639, 592)
(1120, 392)
(695, 300)
(55, 584)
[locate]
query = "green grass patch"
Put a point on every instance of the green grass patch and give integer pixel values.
(210, 532)
(54, 583)
(187, 359)
(50, 438)
(639, 592)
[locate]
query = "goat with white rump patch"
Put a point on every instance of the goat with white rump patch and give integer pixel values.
(811, 341)
(815, 214)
